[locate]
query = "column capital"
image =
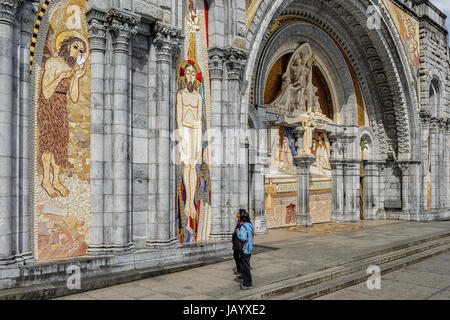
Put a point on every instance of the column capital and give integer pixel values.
(123, 25)
(425, 116)
(167, 41)
(434, 124)
(216, 63)
(8, 9)
(97, 21)
(404, 166)
(27, 15)
(235, 60)
(304, 162)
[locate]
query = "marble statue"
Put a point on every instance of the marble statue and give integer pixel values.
(309, 125)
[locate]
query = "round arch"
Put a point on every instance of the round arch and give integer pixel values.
(378, 57)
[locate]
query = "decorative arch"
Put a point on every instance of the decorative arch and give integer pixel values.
(434, 97)
(375, 54)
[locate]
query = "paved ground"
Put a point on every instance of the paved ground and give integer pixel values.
(281, 255)
(427, 280)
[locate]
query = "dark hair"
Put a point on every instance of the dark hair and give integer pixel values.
(245, 217)
(64, 51)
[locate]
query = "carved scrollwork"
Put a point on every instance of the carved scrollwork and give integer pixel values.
(216, 63)
(8, 9)
(235, 60)
(123, 25)
(168, 41)
(97, 30)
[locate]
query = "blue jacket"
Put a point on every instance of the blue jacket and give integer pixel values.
(246, 234)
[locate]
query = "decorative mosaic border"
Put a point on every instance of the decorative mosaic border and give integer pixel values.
(36, 29)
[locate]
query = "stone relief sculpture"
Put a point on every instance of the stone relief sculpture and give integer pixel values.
(189, 121)
(298, 96)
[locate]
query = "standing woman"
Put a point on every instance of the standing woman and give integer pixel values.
(245, 233)
(237, 245)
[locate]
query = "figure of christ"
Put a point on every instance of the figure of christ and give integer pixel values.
(60, 79)
(189, 120)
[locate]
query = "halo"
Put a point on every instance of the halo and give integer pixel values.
(67, 34)
(197, 67)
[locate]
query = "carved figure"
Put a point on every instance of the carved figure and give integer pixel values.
(309, 126)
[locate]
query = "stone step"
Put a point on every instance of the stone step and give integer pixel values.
(359, 264)
(361, 276)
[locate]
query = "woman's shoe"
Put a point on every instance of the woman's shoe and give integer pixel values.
(245, 287)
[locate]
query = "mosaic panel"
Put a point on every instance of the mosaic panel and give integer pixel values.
(62, 132)
(193, 109)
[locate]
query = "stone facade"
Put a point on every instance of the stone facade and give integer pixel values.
(135, 50)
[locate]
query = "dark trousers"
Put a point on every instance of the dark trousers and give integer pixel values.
(245, 270)
(237, 258)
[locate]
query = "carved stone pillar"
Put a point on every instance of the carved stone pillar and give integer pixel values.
(27, 11)
(216, 138)
(434, 146)
(97, 39)
(442, 160)
(235, 62)
(303, 179)
(165, 41)
(405, 174)
(7, 16)
(425, 118)
(371, 196)
(351, 176)
(123, 25)
(259, 191)
(382, 186)
(447, 162)
(338, 194)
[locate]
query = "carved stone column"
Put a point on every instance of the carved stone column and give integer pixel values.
(123, 25)
(425, 118)
(97, 39)
(303, 179)
(338, 185)
(373, 203)
(447, 162)
(259, 183)
(235, 62)
(216, 136)
(7, 16)
(434, 146)
(382, 185)
(405, 174)
(351, 175)
(165, 41)
(442, 160)
(27, 11)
